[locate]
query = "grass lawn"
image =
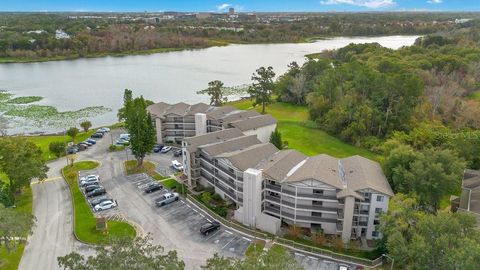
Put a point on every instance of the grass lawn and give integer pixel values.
(476, 96)
(44, 141)
(173, 184)
(255, 248)
(85, 222)
(292, 123)
(147, 167)
(23, 202)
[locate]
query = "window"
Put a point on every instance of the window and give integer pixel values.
(374, 233)
(318, 191)
(379, 198)
(378, 210)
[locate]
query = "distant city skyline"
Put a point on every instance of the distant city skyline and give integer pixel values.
(239, 5)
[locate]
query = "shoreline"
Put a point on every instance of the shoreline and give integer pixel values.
(214, 43)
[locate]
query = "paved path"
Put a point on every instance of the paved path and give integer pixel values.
(53, 234)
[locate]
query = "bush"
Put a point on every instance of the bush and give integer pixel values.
(319, 238)
(294, 231)
(337, 243)
(6, 195)
(217, 198)
(57, 148)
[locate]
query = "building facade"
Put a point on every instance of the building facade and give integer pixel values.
(338, 196)
(175, 122)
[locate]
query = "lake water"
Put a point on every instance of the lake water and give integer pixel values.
(169, 77)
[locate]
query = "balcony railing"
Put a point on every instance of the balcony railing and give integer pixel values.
(300, 194)
(360, 212)
(301, 206)
(310, 219)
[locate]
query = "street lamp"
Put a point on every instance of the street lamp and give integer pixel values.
(393, 261)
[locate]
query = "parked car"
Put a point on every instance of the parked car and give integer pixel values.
(166, 149)
(94, 183)
(87, 143)
(96, 192)
(90, 176)
(92, 141)
(166, 199)
(105, 129)
(97, 135)
(152, 187)
(125, 136)
(105, 205)
(71, 151)
(92, 188)
(84, 183)
(157, 148)
(177, 165)
(209, 227)
(94, 202)
(177, 153)
(122, 142)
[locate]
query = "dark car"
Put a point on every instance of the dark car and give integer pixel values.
(209, 227)
(71, 150)
(99, 200)
(92, 141)
(157, 148)
(96, 192)
(97, 135)
(153, 187)
(177, 153)
(92, 188)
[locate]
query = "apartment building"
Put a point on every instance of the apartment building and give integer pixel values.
(268, 186)
(174, 122)
(469, 200)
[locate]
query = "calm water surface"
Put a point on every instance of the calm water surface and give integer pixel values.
(168, 77)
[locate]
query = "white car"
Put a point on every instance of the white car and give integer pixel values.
(90, 177)
(105, 205)
(177, 165)
(125, 136)
(105, 129)
(166, 149)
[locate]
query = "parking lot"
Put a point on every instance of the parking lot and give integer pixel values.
(187, 220)
(309, 262)
(105, 196)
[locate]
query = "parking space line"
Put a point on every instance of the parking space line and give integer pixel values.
(195, 210)
(312, 258)
(229, 232)
(299, 254)
(202, 214)
(209, 220)
(229, 242)
(210, 237)
(249, 240)
(189, 206)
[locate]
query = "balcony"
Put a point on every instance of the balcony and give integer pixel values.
(308, 219)
(227, 191)
(303, 195)
(360, 212)
(301, 206)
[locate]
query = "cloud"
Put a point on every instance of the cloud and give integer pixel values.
(363, 3)
(434, 1)
(223, 6)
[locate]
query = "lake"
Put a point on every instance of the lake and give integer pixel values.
(169, 77)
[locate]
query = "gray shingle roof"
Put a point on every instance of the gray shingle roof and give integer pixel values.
(323, 168)
(178, 109)
(198, 108)
(238, 115)
(219, 112)
(363, 173)
(222, 135)
(230, 145)
(254, 122)
(279, 164)
(249, 157)
(158, 109)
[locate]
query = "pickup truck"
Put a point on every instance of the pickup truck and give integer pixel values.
(166, 199)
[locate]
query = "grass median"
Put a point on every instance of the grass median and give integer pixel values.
(85, 221)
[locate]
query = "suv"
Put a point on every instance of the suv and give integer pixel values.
(96, 192)
(97, 135)
(166, 199)
(90, 177)
(105, 205)
(157, 148)
(153, 187)
(177, 153)
(89, 182)
(209, 227)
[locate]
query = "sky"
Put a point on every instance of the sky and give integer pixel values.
(239, 5)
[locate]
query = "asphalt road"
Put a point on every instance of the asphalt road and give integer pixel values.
(175, 229)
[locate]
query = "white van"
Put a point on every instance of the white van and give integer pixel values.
(177, 165)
